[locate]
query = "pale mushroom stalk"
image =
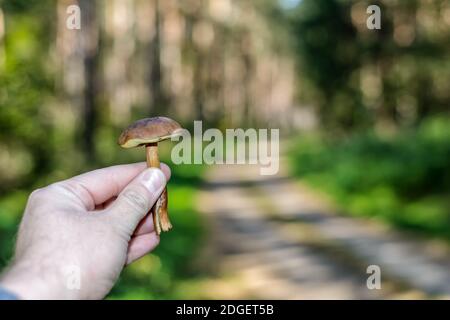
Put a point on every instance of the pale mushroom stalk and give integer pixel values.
(160, 215)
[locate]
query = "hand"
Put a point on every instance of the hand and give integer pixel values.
(77, 235)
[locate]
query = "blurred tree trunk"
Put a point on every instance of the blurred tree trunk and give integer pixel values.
(388, 109)
(158, 98)
(387, 112)
(90, 38)
(198, 66)
(424, 97)
(216, 78)
(198, 91)
(247, 117)
(2, 35)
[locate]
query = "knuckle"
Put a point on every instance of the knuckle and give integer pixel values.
(56, 187)
(136, 199)
(36, 201)
(37, 194)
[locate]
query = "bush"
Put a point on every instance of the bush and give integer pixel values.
(403, 179)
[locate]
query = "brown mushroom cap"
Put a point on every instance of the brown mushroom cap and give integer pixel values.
(149, 130)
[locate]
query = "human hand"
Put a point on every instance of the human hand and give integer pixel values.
(77, 235)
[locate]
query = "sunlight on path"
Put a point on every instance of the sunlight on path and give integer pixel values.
(273, 238)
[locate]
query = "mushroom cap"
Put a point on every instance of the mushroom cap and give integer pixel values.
(149, 130)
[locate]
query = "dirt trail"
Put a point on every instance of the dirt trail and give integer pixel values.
(274, 238)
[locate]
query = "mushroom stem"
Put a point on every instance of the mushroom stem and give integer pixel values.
(152, 155)
(161, 220)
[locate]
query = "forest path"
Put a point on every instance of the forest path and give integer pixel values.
(273, 238)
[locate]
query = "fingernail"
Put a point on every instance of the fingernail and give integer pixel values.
(153, 179)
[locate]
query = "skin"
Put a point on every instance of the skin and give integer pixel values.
(77, 235)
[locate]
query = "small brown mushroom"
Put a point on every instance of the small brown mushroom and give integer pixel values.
(148, 132)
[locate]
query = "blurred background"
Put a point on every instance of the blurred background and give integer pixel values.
(363, 114)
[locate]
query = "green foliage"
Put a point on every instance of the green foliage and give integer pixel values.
(404, 179)
(11, 208)
(327, 48)
(336, 53)
(25, 126)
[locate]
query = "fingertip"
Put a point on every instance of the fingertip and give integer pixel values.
(166, 170)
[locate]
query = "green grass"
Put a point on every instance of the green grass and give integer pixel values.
(11, 208)
(403, 180)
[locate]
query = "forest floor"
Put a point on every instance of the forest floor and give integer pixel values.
(271, 237)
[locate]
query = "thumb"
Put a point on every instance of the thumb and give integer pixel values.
(136, 200)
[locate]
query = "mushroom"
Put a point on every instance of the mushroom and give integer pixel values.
(148, 132)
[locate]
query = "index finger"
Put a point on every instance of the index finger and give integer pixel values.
(96, 187)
